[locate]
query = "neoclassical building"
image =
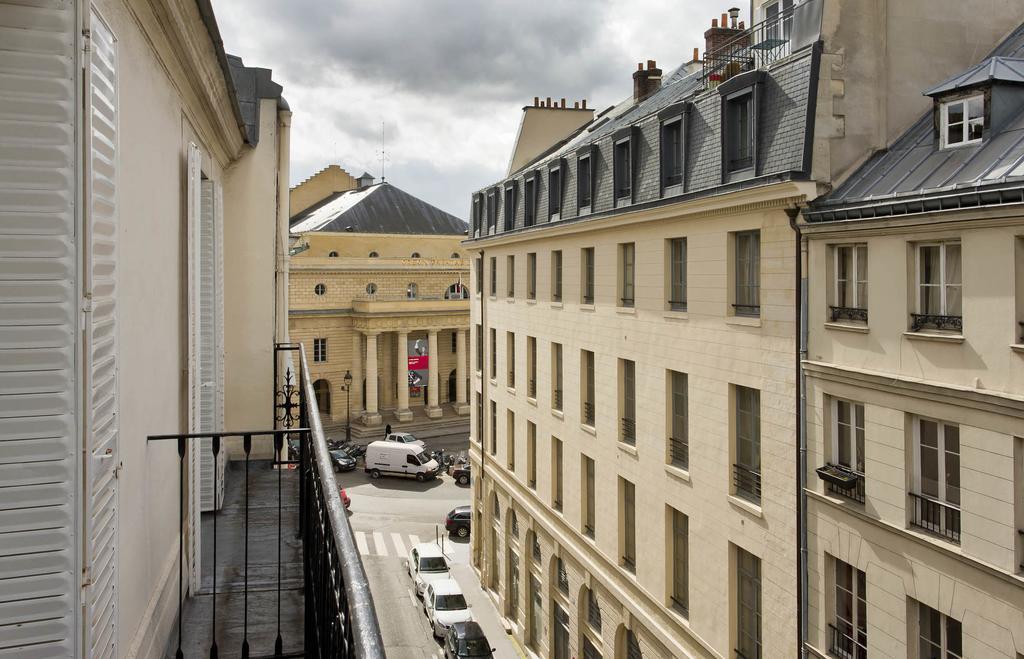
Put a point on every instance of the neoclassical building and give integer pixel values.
(380, 292)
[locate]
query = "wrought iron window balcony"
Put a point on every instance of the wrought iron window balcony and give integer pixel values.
(588, 299)
(556, 399)
(627, 301)
(842, 481)
(531, 388)
(628, 430)
(920, 321)
(844, 646)
(747, 483)
(677, 305)
(855, 314)
(754, 48)
(747, 309)
(936, 517)
(679, 453)
(588, 413)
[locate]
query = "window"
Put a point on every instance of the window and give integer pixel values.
(935, 501)
(848, 637)
(319, 350)
(938, 287)
(510, 358)
(587, 378)
(510, 275)
(589, 497)
(510, 440)
(747, 468)
(494, 276)
(530, 201)
(556, 473)
(455, 255)
(531, 276)
(632, 646)
(962, 122)
(322, 391)
(556, 380)
(480, 420)
(510, 207)
(414, 255)
(941, 637)
(374, 255)
(562, 576)
(678, 431)
(320, 289)
(739, 133)
(371, 289)
(680, 576)
(587, 276)
(411, 291)
(554, 193)
(494, 428)
(531, 455)
(848, 447)
(455, 341)
(627, 398)
(332, 254)
(851, 283)
(672, 152)
(492, 211)
(456, 292)
(584, 183)
(556, 275)
(627, 273)
(593, 611)
(531, 367)
(479, 265)
(479, 348)
(748, 605)
(748, 273)
(623, 166)
(778, 30)
(677, 274)
(512, 597)
(476, 216)
(628, 516)
(494, 354)
(1018, 330)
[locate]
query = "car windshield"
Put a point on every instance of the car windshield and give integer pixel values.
(454, 602)
(474, 647)
(340, 454)
(422, 457)
(433, 564)
(408, 437)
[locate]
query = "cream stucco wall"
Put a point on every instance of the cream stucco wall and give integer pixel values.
(717, 350)
(386, 245)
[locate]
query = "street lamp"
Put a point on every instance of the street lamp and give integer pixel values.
(348, 406)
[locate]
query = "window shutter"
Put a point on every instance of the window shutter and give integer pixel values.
(194, 215)
(210, 341)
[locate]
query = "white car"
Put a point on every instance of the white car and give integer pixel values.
(404, 438)
(426, 565)
(445, 605)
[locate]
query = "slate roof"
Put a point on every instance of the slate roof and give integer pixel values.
(251, 85)
(914, 175)
(379, 208)
(1003, 69)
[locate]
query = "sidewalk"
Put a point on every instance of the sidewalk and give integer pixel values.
(485, 613)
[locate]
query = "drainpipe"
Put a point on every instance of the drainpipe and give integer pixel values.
(800, 314)
(483, 407)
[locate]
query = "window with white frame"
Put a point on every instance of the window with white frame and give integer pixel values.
(677, 274)
(584, 183)
(623, 169)
(556, 275)
(319, 350)
(850, 281)
(510, 275)
(530, 201)
(778, 18)
(962, 121)
(939, 635)
(939, 286)
(494, 276)
(739, 133)
(747, 273)
(936, 478)
(531, 276)
(672, 152)
(627, 274)
(554, 193)
(849, 633)
(510, 206)
(848, 434)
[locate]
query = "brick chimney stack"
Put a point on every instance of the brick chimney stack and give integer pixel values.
(646, 81)
(720, 34)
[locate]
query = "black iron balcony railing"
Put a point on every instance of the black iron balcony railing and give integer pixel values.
(627, 302)
(531, 388)
(556, 399)
(293, 574)
(747, 309)
(935, 516)
(843, 481)
(856, 314)
(920, 321)
(754, 48)
(845, 646)
(677, 305)
(556, 296)
(628, 430)
(588, 413)
(747, 483)
(588, 298)
(679, 453)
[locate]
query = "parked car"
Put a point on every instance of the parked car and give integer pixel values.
(293, 449)
(398, 459)
(466, 639)
(345, 499)
(427, 564)
(341, 460)
(445, 605)
(461, 474)
(457, 522)
(403, 438)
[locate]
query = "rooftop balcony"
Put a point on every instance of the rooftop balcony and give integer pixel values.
(404, 304)
(280, 572)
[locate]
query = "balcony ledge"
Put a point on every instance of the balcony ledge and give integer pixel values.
(934, 336)
(677, 472)
(859, 328)
(746, 506)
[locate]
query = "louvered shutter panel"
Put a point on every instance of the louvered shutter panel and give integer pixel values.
(38, 330)
(209, 344)
(194, 214)
(100, 349)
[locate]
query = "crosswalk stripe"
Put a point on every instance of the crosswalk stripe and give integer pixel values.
(378, 539)
(413, 540)
(399, 545)
(361, 542)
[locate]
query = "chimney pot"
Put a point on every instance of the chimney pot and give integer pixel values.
(584, 104)
(696, 54)
(547, 103)
(536, 101)
(725, 19)
(741, 26)
(563, 104)
(575, 105)
(714, 22)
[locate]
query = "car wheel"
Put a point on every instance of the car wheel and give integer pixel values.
(421, 477)
(463, 480)
(375, 473)
(462, 531)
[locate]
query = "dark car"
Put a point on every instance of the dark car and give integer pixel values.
(461, 474)
(466, 639)
(341, 460)
(457, 522)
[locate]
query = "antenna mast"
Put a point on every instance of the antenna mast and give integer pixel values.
(383, 154)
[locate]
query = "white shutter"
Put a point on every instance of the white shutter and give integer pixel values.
(39, 562)
(100, 413)
(194, 213)
(210, 341)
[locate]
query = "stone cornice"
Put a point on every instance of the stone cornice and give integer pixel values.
(397, 323)
(967, 218)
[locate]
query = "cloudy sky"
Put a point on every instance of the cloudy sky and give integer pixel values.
(446, 78)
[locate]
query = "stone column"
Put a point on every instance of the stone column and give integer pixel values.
(433, 409)
(357, 373)
(371, 417)
(461, 404)
(403, 413)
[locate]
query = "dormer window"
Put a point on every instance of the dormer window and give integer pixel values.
(584, 181)
(961, 121)
(510, 206)
(740, 98)
(492, 211)
(555, 185)
(530, 200)
(673, 146)
(623, 170)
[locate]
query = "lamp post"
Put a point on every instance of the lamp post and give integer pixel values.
(348, 406)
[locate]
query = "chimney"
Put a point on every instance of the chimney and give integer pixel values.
(646, 81)
(584, 104)
(719, 34)
(364, 181)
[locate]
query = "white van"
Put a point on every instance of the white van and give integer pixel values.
(385, 458)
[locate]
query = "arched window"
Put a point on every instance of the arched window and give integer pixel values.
(513, 522)
(371, 288)
(457, 291)
(374, 255)
(322, 389)
(320, 289)
(332, 254)
(455, 255)
(411, 291)
(415, 255)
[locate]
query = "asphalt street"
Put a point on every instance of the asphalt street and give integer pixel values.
(388, 517)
